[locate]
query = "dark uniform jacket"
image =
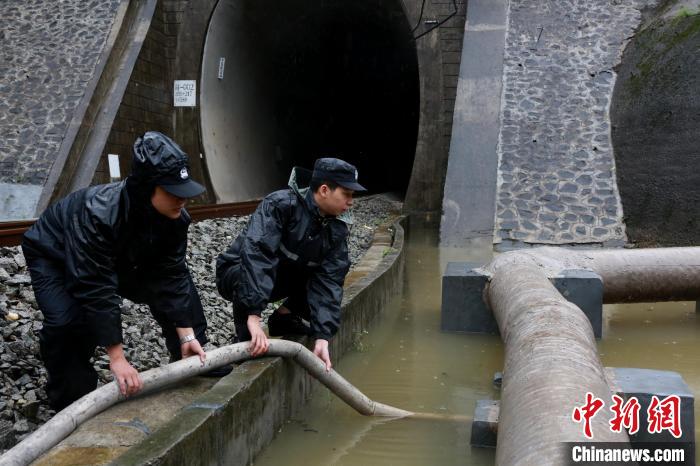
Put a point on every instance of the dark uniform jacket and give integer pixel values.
(109, 245)
(287, 230)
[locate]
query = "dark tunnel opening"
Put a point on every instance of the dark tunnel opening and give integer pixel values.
(308, 79)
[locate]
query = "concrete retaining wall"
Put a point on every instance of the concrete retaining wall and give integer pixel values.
(655, 115)
(439, 56)
(239, 416)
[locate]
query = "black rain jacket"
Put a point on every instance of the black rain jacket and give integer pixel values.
(112, 242)
(288, 228)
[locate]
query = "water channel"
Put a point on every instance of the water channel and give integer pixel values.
(405, 361)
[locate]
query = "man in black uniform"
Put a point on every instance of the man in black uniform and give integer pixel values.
(294, 247)
(120, 239)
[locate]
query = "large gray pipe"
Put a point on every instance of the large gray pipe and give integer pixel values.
(67, 420)
(551, 359)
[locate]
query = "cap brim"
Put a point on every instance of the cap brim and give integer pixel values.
(185, 190)
(351, 185)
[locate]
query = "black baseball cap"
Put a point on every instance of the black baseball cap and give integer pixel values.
(337, 171)
(160, 161)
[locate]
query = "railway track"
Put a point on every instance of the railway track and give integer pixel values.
(11, 232)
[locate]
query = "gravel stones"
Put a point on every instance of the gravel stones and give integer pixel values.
(556, 164)
(23, 402)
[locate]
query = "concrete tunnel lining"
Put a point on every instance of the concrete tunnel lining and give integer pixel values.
(304, 80)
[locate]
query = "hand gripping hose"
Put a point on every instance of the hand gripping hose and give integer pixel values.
(67, 420)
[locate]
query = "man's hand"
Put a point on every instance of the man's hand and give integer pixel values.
(321, 350)
(126, 376)
(190, 348)
(258, 340)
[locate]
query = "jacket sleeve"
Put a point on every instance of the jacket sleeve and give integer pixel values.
(91, 272)
(325, 292)
(249, 279)
(171, 282)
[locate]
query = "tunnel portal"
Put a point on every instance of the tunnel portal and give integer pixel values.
(307, 79)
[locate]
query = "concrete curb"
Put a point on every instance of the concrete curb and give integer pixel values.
(231, 423)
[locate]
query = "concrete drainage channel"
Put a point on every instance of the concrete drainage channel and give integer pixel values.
(231, 421)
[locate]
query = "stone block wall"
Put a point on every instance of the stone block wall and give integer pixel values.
(451, 35)
(439, 54)
(48, 58)
(148, 100)
(557, 174)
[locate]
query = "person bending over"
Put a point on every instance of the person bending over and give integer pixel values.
(294, 247)
(98, 244)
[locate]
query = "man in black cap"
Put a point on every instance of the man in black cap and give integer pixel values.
(103, 242)
(294, 247)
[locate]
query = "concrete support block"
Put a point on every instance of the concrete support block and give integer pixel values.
(463, 306)
(485, 424)
(645, 383)
(584, 288)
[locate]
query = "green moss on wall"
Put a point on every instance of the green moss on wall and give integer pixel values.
(655, 113)
(656, 44)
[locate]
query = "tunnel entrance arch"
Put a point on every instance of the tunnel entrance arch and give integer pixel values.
(304, 79)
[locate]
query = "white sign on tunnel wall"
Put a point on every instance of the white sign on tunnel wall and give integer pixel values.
(185, 93)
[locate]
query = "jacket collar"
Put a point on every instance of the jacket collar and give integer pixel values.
(299, 183)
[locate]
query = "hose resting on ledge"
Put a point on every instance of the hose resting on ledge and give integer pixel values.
(67, 420)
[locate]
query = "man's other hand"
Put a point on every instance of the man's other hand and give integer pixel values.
(124, 373)
(191, 347)
(258, 339)
(321, 350)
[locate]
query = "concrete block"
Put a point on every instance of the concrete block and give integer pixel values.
(463, 306)
(645, 383)
(18, 201)
(485, 424)
(585, 289)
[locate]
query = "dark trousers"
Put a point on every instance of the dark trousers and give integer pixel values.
(290, 283)
(67, 342)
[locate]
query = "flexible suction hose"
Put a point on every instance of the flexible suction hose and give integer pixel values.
(551, 357)
(67, 420)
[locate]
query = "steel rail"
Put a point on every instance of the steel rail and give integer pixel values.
(11, 232)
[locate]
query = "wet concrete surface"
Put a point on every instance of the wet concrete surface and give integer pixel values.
(111, 433)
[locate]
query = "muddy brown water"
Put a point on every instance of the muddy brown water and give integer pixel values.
(405, 361)
(664, 336)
